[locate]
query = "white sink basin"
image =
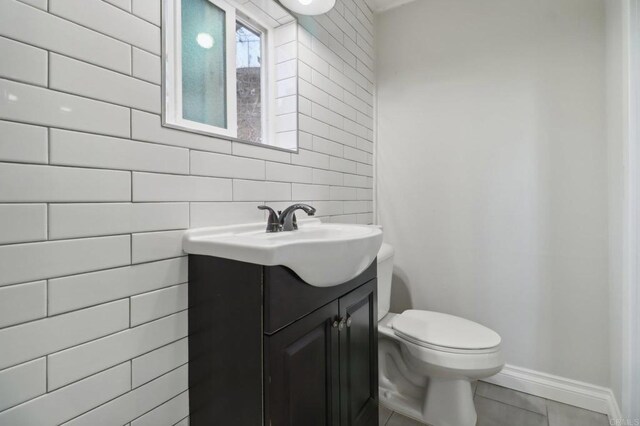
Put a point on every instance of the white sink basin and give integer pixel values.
(322, 254)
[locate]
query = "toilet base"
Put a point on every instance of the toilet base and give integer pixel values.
(449, 402)
(446, 403)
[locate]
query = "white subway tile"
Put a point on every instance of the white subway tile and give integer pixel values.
(356, 206)
(220, 165)
(250, 190)
(157, 187)
(83, 360)
(263, 153)
(57, 407)
(365, 218)
(313, 126)
(342, 108)
(137, 402)
(288, 173)
(326, 116)
(40, 4)
(313, 93)
(23, 143)
(27, 63)
(326, 177)
(21, 303)
(81, 78)
(229, 213)
(305, 141)
(310, 159)
(329, 208)
(69, 293)
(346, 218)
(156, 245)
(365, 169)
(21, 223)
(109, 20)
(22, 383)
(148, 10)
(153, 364)
(285, 70)
(312, 59)
(150, 306)
(304, 107)
(147, 66)
(36, 105)
(365, 194)
(147, 127)
(34, 183)
(34, 261)
(304, 72)
(321, 81)
(365, 145)
(122, 4)
(355, 180)
(84, 149)
(343, 193)
(59, 35)
(183, 422)
(342, 137)
(168, 413)
(355, 154)
(342, 165)
(310, 192)
(355, 128)
(328, 147)
(84, 220)
(37, 338)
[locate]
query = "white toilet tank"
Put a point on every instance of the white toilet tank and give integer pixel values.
(385, 271)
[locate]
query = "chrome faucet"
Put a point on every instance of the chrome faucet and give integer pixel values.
(286, 220)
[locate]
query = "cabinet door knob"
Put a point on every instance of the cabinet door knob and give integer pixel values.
(335, 324)
(341, 324)
(348, 321)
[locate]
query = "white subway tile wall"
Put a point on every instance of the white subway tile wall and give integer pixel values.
(95, 195)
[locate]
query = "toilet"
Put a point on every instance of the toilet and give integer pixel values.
(427, 360)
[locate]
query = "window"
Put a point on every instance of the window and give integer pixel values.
(249, 90)
(221, 76)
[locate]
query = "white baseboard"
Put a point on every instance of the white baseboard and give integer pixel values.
(556, 388)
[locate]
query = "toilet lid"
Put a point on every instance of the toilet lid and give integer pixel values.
(444, 330)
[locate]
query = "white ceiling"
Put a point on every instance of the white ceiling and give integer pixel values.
(382, 5)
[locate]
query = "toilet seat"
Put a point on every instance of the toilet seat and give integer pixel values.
(443, 332)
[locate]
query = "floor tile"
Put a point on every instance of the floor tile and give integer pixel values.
(400, 420)
(511, 397)
(383, 415)
(494, 413)
(566, 415)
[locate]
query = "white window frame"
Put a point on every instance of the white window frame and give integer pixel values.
(172, 72)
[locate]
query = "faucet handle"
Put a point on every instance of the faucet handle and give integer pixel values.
(273, 222)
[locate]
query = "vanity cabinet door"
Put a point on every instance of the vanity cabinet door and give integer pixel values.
(302, 373)
(359, 357)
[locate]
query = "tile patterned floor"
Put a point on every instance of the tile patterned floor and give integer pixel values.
(498, 406)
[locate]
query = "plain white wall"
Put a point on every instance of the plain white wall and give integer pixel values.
(617, 13)
(492, 172)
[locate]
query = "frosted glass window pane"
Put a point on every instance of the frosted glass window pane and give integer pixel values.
(248, 83)
(204, 96)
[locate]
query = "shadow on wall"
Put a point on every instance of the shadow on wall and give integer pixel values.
(400, 295)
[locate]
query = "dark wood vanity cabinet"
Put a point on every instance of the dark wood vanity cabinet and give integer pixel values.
(265, 348)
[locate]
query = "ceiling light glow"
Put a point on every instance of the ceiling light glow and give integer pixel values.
(309, 7)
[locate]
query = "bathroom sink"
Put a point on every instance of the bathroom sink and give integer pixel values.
(322, 254)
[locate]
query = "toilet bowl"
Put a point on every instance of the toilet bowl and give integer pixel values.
(427, 360)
